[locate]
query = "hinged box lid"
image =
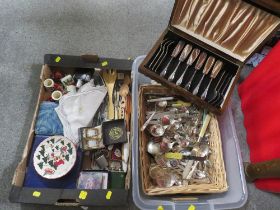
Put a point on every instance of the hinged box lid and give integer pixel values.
(272, 6)
(234, 27)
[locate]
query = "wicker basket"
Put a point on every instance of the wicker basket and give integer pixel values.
(217, 173)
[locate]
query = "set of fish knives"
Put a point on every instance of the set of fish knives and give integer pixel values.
(170, 67)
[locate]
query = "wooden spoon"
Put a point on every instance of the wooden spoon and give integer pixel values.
(128, 112)
(110, 77)
(127, 79)
(124, 91)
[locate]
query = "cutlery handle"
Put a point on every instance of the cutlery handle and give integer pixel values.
(164, 71)
(188, 86)
(171, 77)
(204, 94)
(216, 69)
(209, 63)
(180, 80)
(110, 104)
(195, 91)
(186, 51)
(193, 56)
(266, 169)
(121, 110)
(147, 122)
(205, 125)
(178, 49)
(200, 61)
(192, 170)
(116, 108)
(127, 79)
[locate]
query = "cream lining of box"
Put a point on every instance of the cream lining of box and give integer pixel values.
(232, 26)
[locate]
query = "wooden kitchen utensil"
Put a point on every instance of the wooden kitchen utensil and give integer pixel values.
(127, 79)
(124, 90)
(110, 77)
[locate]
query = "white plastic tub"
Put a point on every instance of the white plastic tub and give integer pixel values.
(237, 194)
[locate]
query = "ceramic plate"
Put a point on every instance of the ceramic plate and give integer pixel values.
(54, 157)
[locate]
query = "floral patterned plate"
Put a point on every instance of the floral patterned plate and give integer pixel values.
(54, 157)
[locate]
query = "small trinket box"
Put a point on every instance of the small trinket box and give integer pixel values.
(91, 138)
(93, 180)
(100, 159)
(67, 80)
(114, 132)
(116, 180)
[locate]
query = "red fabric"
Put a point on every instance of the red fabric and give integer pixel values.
(260, 103)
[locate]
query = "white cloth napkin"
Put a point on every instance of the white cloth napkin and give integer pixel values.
(77, 110)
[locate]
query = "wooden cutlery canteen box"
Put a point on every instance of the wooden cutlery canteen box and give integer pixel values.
(202, 51)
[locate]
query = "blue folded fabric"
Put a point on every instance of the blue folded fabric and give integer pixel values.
(33, 179)
(47, 122)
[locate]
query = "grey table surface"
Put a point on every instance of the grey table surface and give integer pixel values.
(30, 29)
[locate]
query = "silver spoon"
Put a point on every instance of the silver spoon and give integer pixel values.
(157, 130)
(162, 104)
(199, 174)
(201, 151)
(153, 148)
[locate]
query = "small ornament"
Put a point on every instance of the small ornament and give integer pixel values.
(67, 80)
(156, 130)
(116, 153)
(165, 120)
(57, 75)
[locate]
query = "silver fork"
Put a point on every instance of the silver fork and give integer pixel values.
(159, 53)
(174, 54)
(217, 87)
(221, 96)
(163, 55)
